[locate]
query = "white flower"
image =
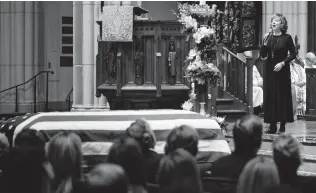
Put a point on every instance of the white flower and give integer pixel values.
(192, 53)
(187, 105)
(201, 33)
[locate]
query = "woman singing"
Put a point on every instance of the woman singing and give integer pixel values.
(277, 79)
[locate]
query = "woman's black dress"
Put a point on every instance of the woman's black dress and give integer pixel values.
(277, 100)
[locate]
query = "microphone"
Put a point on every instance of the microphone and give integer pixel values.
(269, 34)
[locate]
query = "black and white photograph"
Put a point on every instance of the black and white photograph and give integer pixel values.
(157, 96)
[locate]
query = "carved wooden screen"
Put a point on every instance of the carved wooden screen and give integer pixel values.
(311, 27)
(311, 91)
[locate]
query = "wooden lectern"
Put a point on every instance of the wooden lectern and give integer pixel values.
(147, 72)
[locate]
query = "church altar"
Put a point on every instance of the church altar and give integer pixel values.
(145, 73)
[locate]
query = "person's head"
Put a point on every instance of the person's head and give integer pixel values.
(4, 149)
(30, 137)
(127, 153)
(279, 23)
(140, 130)
(286, 154)
(184, 137)
(27, 160)
(65, 155)
(310, 59)
(109, 178)
(178, 173)
(258, 175)
(247, 135)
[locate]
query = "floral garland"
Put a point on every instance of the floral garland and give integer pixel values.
(197, 67)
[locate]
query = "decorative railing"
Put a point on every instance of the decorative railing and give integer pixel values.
(68, 98)
(238, 78)
(34, 79)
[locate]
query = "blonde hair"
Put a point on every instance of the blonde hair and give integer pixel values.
(65, 155)
(258, 175)
(283, 20)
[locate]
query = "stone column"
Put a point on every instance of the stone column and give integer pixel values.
(5, 50)
(88, 58)
(99, 102)
(29, 49)
(19, 64)
(296, 15)
(77, 54)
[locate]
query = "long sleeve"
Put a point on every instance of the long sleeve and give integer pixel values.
(263, 51)
(291, 47)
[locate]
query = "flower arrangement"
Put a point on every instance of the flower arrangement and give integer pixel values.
(198, 67)
(188, 106)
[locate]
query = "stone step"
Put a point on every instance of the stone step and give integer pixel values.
(224, 104)
(231, 115)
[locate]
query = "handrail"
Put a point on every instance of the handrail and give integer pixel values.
(69, 94)
(234, 55)
(239, 80)
(34, 92)
(68, 98)
(41, 72)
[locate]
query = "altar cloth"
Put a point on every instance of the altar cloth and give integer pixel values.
(98, 130)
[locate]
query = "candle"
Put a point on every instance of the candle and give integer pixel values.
(202, 2)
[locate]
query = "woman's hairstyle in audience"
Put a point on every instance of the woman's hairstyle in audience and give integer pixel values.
(65, 155)
(283, 21)
(184, 137)
(140, 130)
(179, 173)
(26, 172)
(30, 137)
(127, 153)
(109, 178)
(286, 153)
(4, 150)
(258, 176)
(247, 135)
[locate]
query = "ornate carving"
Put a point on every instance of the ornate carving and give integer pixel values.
(248, 36)
(172, 56)
(110, 62)
(225, 23)
(139, 57)
(248, 8)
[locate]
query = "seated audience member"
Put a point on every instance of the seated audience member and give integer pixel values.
(140, 130)
(4, 150)
(178, 173)
(257, 91)
(247, 134)
(286, 154)
(298, 80)
(65, 155)
(310, 60)
(27, 170)
(187, 138)
(126, 152)
(109, 178)
(258, 176)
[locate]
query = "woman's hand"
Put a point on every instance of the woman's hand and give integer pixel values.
(265, 39)
(278, 67)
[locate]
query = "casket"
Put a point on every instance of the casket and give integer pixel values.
(98, 130)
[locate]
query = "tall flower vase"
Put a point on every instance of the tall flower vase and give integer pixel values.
(202, 96)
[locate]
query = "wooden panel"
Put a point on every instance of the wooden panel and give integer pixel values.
(311, 43)
(311, 91)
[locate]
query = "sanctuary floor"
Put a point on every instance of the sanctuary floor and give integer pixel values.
(304, 131)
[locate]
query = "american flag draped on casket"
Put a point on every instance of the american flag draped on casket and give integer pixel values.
(98, 130)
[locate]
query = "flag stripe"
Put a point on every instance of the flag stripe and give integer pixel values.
(102, 148)
(110, 135)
